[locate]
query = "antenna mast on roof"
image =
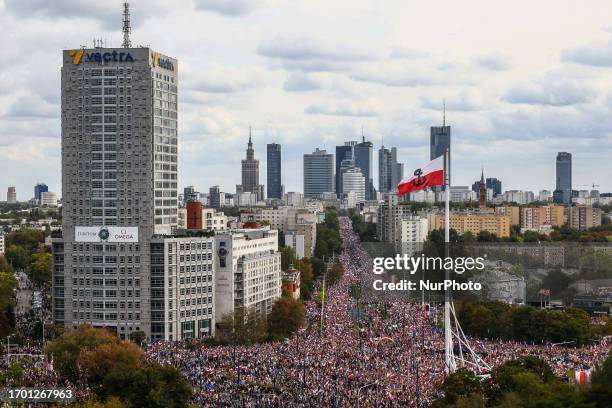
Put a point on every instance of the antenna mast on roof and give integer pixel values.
(126, 26)
(443, 112)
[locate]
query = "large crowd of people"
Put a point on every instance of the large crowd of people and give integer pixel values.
(355, 353)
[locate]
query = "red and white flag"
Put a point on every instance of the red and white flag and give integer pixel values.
(429, 175)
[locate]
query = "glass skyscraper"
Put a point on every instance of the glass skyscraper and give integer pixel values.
(563, 191)
(274, 171)
(318, 173)
(440, 140)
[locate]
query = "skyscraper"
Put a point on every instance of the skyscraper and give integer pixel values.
(119, 186)
(495, 185)
(362, 154)
(563, 191)
(390, 172)
(342, 153)
(250, 173)
(439, 141)
(274, 171)
(39, 189)
(318, 173)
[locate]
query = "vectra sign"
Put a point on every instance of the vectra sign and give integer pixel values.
(80, 55)
(161, 62)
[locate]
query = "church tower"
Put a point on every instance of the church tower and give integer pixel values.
(482, 195)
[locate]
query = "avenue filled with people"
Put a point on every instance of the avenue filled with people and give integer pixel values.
(352, 352)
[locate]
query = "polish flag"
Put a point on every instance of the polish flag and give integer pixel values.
(429, 175)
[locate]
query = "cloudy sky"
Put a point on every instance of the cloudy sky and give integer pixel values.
(522, 80)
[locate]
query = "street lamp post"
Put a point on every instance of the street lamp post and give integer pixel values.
(359, 391)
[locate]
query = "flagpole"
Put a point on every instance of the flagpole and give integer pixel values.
(448, 340)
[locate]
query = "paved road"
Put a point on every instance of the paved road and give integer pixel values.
(24, 294)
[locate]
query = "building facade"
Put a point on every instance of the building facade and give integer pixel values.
(248, 273)
(390, 172)
(318, 173)
(11, 195)
(583, 217)
(182, 287)
(274, 174)
(439, 142)
(563, 191)
(48, 199)
(362, 154)
(119, 184)
(38, 190)
(344, 152)
(250, 173)
(476, 222)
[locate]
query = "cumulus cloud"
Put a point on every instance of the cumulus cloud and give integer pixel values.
(401, 75)
(407, 53)
(550, 92)
(594, 54)
(31, 106)
(309, 49)
(365, 109)
(220, 79)
(494, 61)
(109, 13)
(300, 82)
(231, 8)
(467, 100)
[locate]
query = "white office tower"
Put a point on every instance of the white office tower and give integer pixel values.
(354, 182)
(183, 287)
(248, 271)
(119, 184)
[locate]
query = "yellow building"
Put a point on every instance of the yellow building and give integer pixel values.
(476, 222)
(511, 211)
(557, 215)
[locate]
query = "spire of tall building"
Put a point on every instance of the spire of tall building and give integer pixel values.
(443, 112)
(250, 172)
(482, 193)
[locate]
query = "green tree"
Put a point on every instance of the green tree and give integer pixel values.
(148, 386)
(287, 257)
(335, 273)
(39, 270)
(461, 384)
(286, 317)
(66, 349)
(18, 256)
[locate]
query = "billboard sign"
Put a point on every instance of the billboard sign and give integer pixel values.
(106, 234)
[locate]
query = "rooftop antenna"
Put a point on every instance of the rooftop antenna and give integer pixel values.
(443, 112)
(126, 26)
(362, 136)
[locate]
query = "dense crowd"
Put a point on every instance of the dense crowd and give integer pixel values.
(363, 354)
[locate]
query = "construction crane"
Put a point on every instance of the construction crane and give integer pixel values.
(593, 185)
